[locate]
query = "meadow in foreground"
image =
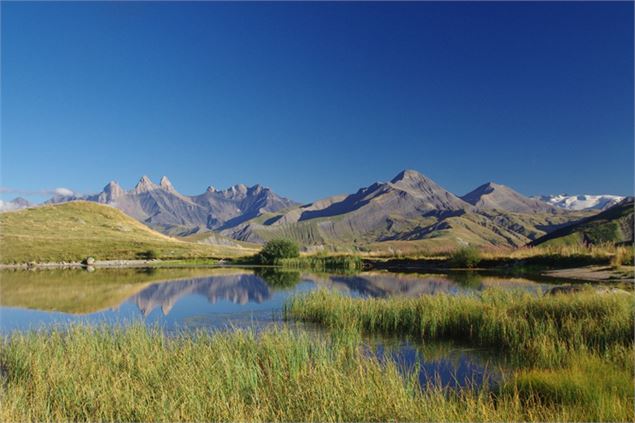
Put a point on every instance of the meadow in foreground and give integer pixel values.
(135, 374)
(573, 352)
(580, 352)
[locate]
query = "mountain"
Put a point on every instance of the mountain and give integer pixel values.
(162, 207)
(581, 202)
(379, 211)
(75, 230)
(613, 225)
(15, 204)
(412, 208)
(500, 197)
(410, 211)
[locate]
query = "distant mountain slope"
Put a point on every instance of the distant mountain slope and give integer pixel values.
(15, 204)
(500, 197)
(163, 208)
(381, 210)
(582, 202)
(410, 207)
(614, 225)
(73, 231)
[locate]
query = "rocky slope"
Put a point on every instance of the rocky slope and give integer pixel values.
(411, 207)
(163, 208)
(500, 197)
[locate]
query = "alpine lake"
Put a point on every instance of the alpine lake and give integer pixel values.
(189, 300)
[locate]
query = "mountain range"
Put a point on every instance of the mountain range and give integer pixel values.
(410, 208)
(162, 207)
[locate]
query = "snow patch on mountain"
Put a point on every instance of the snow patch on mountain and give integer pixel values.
(582, 202)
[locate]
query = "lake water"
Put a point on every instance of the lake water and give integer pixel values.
(220, 299)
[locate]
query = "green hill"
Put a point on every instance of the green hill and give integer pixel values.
(614, 225)
(76, 230)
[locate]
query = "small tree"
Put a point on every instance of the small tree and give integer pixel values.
(466, 257)
(277, 249)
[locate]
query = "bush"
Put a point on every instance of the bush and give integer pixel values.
(467, 257)
(278, 249)
(148, 255)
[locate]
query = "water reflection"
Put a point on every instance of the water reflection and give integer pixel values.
(238, 289)
(108, 291)
(215, 299)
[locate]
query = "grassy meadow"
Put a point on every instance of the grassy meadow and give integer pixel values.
(135, 374)
(76, 230)
(574, 352)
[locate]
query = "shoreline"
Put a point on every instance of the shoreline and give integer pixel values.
(589, 273)
(80, 265)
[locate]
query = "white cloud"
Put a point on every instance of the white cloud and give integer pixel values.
(64, 192)
(43, 192)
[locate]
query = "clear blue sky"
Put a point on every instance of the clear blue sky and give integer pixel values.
(315, 99)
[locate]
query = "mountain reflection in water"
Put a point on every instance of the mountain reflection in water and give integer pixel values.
(238, 289)
(241, 289)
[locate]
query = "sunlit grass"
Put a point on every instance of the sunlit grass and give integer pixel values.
(573, 352)
(536, 329)
(76, 230)
(135, 374)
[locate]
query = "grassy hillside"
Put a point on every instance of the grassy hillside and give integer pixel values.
(485, 229)
(614, 225)
(76, 230)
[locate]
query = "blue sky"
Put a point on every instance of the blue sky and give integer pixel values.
(315, 99)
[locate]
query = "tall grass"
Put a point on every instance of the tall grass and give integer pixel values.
(573, 352)
(105, 374)
(540, 330)
(323, 263)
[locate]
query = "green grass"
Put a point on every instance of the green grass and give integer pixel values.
(323, 263)
(572, 352)
(134, 374)
(536, 329)
(76, 230)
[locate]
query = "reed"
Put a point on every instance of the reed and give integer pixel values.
(134, 374)
(323, 263)
(540, 330)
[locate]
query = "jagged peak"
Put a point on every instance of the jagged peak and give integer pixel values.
(242, 188)
(113, 189)
(211, 188)
(144, 184)
(166, 184)
(112, 184)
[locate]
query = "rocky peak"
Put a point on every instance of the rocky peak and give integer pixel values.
(144, 185)
(166, 184)
(407, 176)
(113, 189)
(211, 188)
(22, 202)
(238, 189)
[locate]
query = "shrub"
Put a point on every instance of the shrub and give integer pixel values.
(465, 257)
(623, 256)
(278, 249)
(148, 255)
